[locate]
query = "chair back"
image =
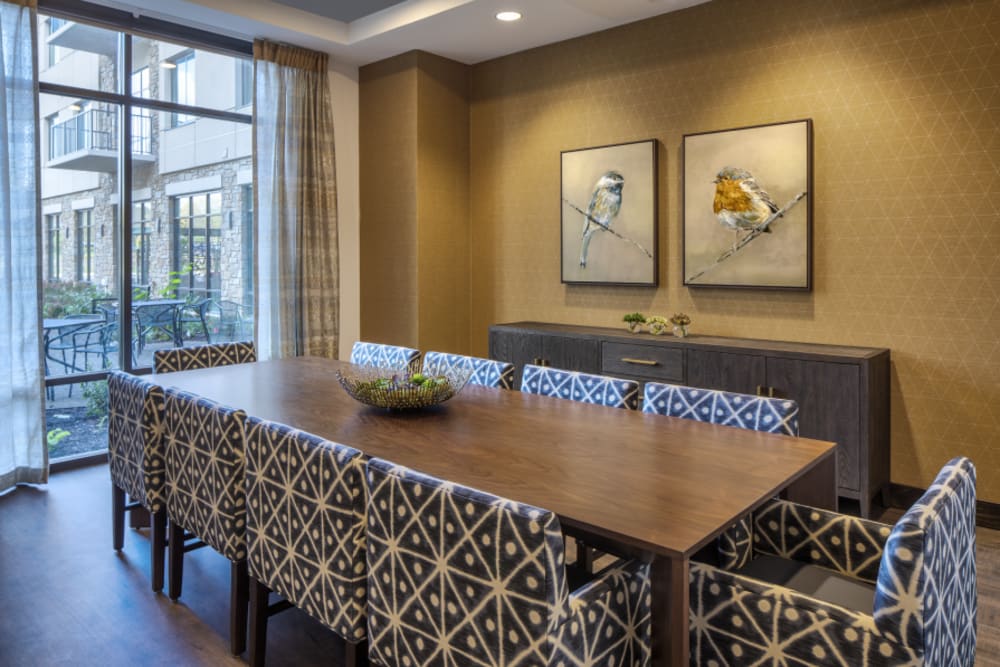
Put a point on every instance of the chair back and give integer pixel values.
(458, 576)
(485, 372)
(305, 523)
(581, 387)
(385, 356)
(206, 471)
(203, 356)
(746, 411)
(135, 438)
(926, 590)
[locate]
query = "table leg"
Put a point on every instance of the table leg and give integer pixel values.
(816, 488)
(671, 599)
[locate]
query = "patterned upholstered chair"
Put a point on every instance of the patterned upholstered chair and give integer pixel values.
(461, 577)
(206, 494)
(318, 565)
(135, 454)
(825, 588)
(485, 372)
(203, 356)
(385, 356)
(755, 413)
(581, 387)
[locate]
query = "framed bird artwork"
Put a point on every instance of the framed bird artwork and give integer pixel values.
(609, 215)
(748, 207)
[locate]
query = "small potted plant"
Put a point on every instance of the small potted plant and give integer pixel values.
(681, 323)
(657, 325)
(634, 321)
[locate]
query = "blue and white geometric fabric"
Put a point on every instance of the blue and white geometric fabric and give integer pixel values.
(306, 524)
(206, 462)
(925, 605)
(385, 356)
(485, 372)
(458, 577)
(135, 438)
(581, 387)
(203, 356)
(756, 413)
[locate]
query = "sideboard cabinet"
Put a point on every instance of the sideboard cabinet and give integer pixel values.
(842, 392)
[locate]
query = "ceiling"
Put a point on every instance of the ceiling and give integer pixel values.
(359, 32)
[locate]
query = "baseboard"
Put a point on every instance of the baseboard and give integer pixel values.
(987, 513)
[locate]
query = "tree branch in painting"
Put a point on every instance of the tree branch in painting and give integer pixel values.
(606, 227)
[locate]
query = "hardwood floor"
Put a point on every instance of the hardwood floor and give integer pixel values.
(66, 598)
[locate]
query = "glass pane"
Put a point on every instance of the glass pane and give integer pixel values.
(79, 191)
(77, 54)
(199, 253)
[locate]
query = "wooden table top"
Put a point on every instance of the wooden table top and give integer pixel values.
(656, 483)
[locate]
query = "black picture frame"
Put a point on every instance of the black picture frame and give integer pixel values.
(625, 252)
(779, 157)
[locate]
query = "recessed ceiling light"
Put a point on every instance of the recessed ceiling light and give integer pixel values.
(166, 64)
(508, 16)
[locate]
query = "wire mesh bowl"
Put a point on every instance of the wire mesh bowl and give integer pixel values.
(398, 389)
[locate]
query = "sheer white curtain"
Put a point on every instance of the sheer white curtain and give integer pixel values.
(23, 454)
(295, 184)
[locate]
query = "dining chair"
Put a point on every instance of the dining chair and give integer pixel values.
(175, 359)
(152, 317)
(305, 532)
(206, 496)
(385, 356)
(136, 460)
(746, 411)
(827, 588)
(582, 387)
(457, 576)
(485, 372)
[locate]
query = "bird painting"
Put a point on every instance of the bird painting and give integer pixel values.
(604, 206)
(740, 203)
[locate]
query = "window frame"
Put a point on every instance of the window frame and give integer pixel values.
(83, 225)
(183, 63)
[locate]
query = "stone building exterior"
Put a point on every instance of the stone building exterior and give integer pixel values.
(192, 197)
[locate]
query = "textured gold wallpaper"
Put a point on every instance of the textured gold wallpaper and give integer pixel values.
(905, 100)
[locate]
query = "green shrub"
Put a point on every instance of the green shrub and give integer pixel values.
(96, 396)
(68, 298)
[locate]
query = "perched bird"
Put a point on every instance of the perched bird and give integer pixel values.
(604, 206)
(740, 203)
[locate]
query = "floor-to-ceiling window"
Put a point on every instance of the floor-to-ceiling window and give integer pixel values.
(146, 145)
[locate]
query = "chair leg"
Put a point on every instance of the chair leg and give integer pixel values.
(355, 654)
(176, 541)
(158, 543)
(258, 622)
(584, 557)
(117, 517)
(238, 599)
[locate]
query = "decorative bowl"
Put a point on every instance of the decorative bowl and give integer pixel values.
(399, 389)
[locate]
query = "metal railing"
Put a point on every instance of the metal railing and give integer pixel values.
(97, 129)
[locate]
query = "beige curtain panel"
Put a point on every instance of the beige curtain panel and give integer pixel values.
(296, 207)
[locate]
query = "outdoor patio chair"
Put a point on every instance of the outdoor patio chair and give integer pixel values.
(485, 372)
(151, 318)
(385, 356)
(460, 576)
(754, 413)
(205, 472)
(227, 320)
(320, 566)
(192, 315)
(827, 588)
(135, 455)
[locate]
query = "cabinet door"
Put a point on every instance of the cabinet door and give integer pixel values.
(727, 371)
(572, 354)
(829, 407)
(517, 348)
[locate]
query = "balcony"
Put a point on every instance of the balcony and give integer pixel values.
(89, 141)
(82, 37)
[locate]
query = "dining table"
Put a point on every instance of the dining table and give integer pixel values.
(643, 485)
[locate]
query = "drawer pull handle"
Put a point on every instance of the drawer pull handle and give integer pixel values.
(641, 362)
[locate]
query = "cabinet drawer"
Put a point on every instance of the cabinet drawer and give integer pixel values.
(656, 362)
